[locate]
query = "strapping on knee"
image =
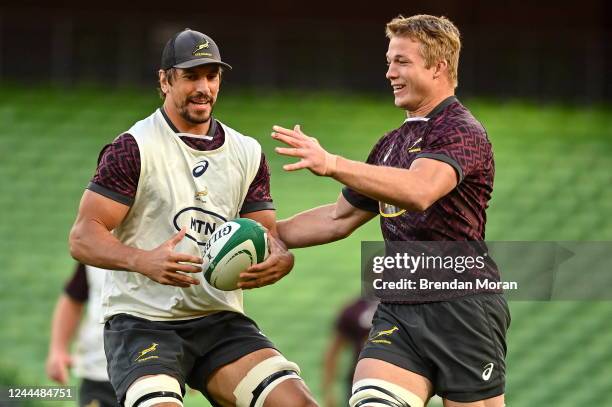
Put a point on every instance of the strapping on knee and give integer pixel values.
(152, 390)
(381, 393)
(262, 379)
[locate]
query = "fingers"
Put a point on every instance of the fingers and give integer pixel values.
(54, 375)
(186, 258)
(260, 282)
(296, 133)
(249, 276)
(258, 279)
(173, 277)
(186, 268)
(63, 377)
(256, 268)
(176, 239)
(247, 285)
(277, 265)
(287, 139)
(57, 368)
(178, 280)
(183, 281)
(288, 135)
(177, 262)
(271, 279)
(294, 138)
(291, 152)
(314, 157)
(255, 275)
(296, 166)
(59, 374)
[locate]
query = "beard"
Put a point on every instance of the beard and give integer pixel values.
(196, 117)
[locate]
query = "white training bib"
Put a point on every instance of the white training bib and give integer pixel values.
(180, 187)
(90, 359)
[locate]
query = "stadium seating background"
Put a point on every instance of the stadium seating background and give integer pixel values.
(554, 171)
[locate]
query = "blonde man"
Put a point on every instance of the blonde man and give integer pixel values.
(430, 180)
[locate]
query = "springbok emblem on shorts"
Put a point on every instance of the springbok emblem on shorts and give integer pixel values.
(143, 352)
(380, 334)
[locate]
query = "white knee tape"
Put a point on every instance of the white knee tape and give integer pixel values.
(262, 379)
(381, 393)
(152, 390)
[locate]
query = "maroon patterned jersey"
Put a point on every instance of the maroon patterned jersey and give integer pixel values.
(450, 134)
(118, 169)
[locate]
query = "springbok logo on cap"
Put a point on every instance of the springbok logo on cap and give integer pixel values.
(200, 47)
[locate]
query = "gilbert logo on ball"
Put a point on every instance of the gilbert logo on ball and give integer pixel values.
(235, 246)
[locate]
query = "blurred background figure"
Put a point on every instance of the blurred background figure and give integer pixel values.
(89, 361)
(350, 332)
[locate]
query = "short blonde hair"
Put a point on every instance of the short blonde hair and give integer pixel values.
(439, 38)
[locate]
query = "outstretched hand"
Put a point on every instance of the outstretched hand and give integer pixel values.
(163, 264)
(311, 154)
(278, 264)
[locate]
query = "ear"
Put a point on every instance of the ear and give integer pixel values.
(440, 69)
(163, 81)
(220, 74)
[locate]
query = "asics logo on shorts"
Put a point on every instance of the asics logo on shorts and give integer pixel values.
(152, 348)
(377, 337)
(486, 373)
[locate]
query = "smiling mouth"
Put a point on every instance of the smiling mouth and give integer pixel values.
(199, 102)
(397, 88)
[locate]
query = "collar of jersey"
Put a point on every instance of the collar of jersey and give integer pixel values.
(209, 136)
(436, 110)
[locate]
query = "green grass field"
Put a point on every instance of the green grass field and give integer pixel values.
(553, 178)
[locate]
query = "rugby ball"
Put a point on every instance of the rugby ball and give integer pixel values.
(235, 246)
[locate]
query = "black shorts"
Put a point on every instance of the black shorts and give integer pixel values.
(188, 350)
(96, 393)
(459, 345)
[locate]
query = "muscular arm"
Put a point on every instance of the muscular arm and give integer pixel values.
(90, 239)
(64, 324)
(413, 189)
(267, 218)
(316, 226)
(323, 224)
(92, 242)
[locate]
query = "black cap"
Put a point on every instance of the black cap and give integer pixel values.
(189, 48)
